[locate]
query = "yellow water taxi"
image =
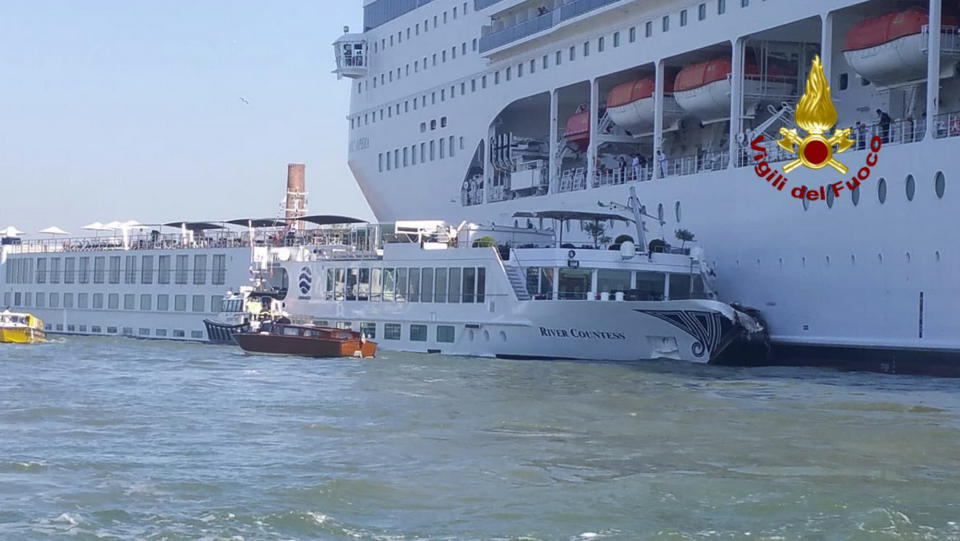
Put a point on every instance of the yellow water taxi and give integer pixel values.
(19, 328)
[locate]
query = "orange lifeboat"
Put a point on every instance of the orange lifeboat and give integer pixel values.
(577, 132)
(630, 105)
(888, 49)
(703, 89)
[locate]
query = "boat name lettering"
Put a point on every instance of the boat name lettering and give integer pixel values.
(582, 334)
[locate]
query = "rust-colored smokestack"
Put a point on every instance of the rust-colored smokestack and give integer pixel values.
(296, 206)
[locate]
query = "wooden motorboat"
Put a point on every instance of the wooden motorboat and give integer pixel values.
(306, 340)
(20, 328)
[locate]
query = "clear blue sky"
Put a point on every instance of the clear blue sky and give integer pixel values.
(132, 110)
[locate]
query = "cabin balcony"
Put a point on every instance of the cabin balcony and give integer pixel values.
(526, 20)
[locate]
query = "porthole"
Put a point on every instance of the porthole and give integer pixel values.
(855, 196)
(676, 208)
(939, 184)
(660, 212)
(911, 186)
(882, 190)
(830, 197)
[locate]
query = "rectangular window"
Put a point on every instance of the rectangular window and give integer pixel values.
(180, 303)
(129, 301)
(391, 331)
(453, 291)
(481, 284)
(665, 23)
(113, 301)
(163, 272)
(683, 17)
(199, 302)
(573, 53)
(616, 39)
(401, 284)
(432, 150)
(41, 299)
(146, 300)
(99, 268)
(533, 66)
(181, 271)
(702, 12)
(744, 3)
(146, 269)
(368, 330)
(54, 300)
(219, 270)
(83, 300)
(216, 303)
(469, 283)
(84, 270)
(389, 285)
(55, 270)
(558, 59)
(178, 333)
(445, 334)
(163, 303)
(339, 285)
(496, 77)
(98, 301)
(376, 284)
(130, 276)
(413, 293)
(600, 44)
(721, 7)
(351, 288)
(418, 333)
(69, 270)
(114, 269)
(363, 293)
(199, 269)
(648, 29)
(443, 148)
(440, 290)
(426, 290)
(41, 270)
(509, 72)
(68, 300)
(161, 332)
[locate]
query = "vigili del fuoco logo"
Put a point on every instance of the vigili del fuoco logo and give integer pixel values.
(816, 115)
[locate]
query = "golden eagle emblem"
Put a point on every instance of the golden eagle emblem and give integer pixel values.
(816, 114)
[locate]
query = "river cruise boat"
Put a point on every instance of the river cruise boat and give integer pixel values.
(20, 328)
(518, 292)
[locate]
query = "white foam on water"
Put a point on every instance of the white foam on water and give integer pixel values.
(67, 519)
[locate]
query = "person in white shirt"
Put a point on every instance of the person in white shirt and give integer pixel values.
(662, 162)
(636, 167)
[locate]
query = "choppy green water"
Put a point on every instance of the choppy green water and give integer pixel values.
(103, 438)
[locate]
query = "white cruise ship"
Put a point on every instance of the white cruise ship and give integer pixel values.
(480, 109)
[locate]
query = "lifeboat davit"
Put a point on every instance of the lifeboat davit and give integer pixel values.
(889, 49)
(577, 132)
(630, 105)
(703, 89)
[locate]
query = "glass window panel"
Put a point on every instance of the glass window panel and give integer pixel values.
(441, 285)
(376, 284)
(469, 283)
(649, 286)
(389, 285)
(363, 294)
(426, 291)
(401, 284)
(453, 291)
(413, 293)
(481, 284)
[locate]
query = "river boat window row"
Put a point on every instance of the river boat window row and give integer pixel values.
(104, 269)
(416, 332)
(578, 284)
(143, 302)
(407, 284)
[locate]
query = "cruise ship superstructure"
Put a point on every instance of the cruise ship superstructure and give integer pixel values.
(483, 109)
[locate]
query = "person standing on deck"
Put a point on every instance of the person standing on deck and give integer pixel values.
(662, 163)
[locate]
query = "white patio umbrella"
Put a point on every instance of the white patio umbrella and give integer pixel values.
(53, 230)
(10, 231)
(95, 226)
